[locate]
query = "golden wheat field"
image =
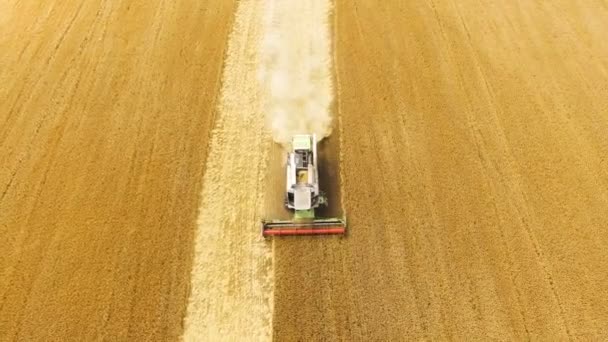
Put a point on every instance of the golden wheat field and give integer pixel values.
(143, 142)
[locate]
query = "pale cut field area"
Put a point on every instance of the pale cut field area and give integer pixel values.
(105, 112)
(474, 149)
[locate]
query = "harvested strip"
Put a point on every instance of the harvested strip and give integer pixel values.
(231, 290)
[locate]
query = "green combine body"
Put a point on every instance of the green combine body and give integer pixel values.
(303, 195)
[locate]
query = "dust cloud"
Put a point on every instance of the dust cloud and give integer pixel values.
(294, 71)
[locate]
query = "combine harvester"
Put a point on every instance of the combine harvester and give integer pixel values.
(303, 194)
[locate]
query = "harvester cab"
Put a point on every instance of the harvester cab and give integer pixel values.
(302, 194)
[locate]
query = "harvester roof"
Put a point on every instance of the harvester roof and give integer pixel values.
(302, 142)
